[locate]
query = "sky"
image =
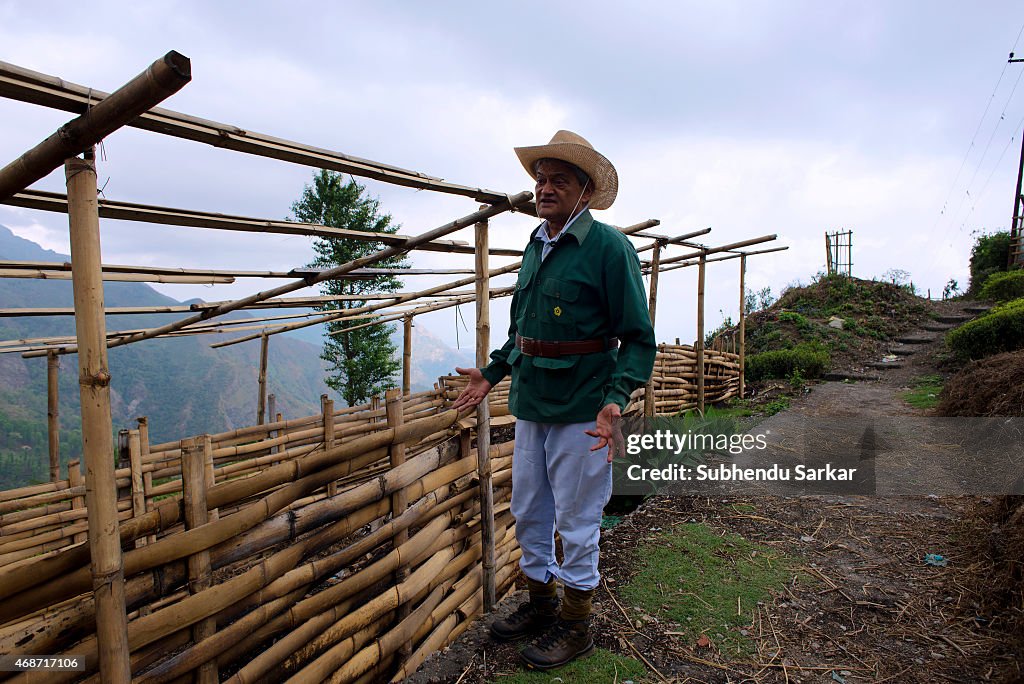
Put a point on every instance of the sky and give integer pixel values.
(898, 121)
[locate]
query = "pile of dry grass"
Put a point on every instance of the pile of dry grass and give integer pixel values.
(993, 386)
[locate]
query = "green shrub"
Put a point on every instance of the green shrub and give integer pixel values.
(989, 255)
(796, 319)
(810, 360)
(1000, 330)
(1002, 287)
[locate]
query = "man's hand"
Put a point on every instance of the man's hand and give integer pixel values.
(475, 391)
(609, 431)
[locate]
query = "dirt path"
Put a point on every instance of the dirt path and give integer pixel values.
(862, 605)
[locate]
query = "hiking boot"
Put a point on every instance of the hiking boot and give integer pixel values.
(561, 644)
(529, 618)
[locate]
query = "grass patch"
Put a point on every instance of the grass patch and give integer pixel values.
(709, 584)
(600, 666)
(810, 358)
(776, 405)
(924, 392)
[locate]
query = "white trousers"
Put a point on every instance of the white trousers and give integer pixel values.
(558, 483)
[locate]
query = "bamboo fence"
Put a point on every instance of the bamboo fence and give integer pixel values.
(318, 548)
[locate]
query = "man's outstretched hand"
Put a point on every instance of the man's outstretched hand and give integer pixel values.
(609, 431)
(475, 391)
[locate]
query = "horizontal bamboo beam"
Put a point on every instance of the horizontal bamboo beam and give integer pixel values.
(686, 264)
(192, 278)
(277, 303)
(715, 250)
(160, 80)
(458, 224)
(677, 240)
(495, 293)
(359, 274)
(49, 91)
(128, 211)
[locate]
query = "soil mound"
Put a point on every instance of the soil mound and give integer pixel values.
(990, 387)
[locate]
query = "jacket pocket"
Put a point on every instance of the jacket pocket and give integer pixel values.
(554, 379)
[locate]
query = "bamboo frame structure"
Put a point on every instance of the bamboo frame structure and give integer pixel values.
(343, 546)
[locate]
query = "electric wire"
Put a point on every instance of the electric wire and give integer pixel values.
(988, 104)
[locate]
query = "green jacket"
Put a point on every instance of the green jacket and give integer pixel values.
(588, 287)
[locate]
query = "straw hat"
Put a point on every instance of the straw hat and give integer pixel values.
(572, 148)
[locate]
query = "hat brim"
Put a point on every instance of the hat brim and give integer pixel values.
(594, 164)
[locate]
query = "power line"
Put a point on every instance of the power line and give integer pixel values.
(1013, 136)
(1002, 116)
(963, 162)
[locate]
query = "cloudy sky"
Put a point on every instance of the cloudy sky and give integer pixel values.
(780, 117)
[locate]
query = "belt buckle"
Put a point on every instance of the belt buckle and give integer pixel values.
(524, 344)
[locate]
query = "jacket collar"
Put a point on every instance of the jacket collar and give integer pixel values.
(579, 227)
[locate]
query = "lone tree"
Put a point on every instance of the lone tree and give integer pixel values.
(362, 361)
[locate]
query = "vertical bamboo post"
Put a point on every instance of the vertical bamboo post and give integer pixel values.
(743, 322)
(407, 357)
(53, 413)
(374, 407)
(327, 411)
(97, 429)
(652, 307)
(75, 479)
(261, 402)
(400, 498)
(828, 254)
(483, 417)
(138, 485)
(147, 477)
(271, 412)
(700, 332)
(194, 479)
(208, 472)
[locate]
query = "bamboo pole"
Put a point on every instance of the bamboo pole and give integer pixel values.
(147, 476)
(138, 486)
(407, 356)
(160, 80)
(75, 479)
(400, 497)
(327, 410)
(483, 416)
(193, 476)
(97, 428)
(53, 414)
(743, 323)
(652, 307)
(128, 211)
(700, 335)
(261, 402)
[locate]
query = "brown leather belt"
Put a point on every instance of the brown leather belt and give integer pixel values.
(553, 349)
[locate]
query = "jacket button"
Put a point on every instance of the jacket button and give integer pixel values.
(533, 315)
(558, 295)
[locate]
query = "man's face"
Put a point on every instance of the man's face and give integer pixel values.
(558, 191)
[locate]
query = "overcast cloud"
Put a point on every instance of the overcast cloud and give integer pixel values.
(774, 117)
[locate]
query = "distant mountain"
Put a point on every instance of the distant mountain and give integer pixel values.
(182, 385)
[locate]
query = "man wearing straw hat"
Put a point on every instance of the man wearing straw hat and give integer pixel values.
(580, 341)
